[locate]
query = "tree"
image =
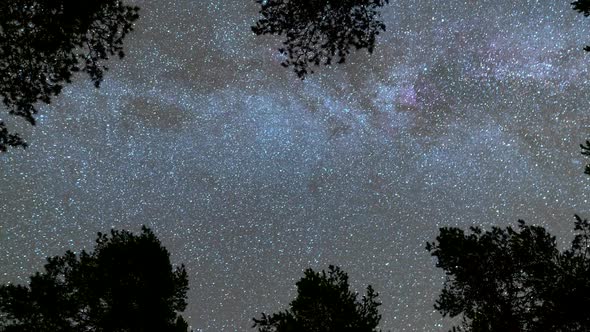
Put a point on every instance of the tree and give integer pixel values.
(126, 284)
(324, 303)
(582, 6)
(514, 280)
(9, 139)
(316, 31)
(569, 297)
(586, 152)
(43, 43)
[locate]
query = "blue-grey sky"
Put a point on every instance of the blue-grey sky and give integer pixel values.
(467, 113)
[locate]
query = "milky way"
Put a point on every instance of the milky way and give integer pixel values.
(467, 113)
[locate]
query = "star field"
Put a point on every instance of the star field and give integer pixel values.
(467, 113)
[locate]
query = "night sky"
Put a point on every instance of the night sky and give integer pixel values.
(468, 113)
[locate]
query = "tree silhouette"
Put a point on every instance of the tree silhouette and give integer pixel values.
(514, 280)
(126, 284)
(316, 31)
(568, 299)
(9, 139)
(586, 152)
(43, 43)
(583, 6)
(324, 303)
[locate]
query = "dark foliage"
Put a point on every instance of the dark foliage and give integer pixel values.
(586, 152)
(583, 6)
(126, 284)
(9, 140)
(324, 303)
(43, 43)
(514, 280)
(316, 31)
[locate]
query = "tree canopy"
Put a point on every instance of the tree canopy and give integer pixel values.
(9, 139)
(510, 279)
(316, 31)
(126, 284)
(324, 303)
(43, 43)
(583, 6)
(586, 152)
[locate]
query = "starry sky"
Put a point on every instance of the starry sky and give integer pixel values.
(468, 113)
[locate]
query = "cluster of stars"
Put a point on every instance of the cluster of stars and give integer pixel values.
(467, 113)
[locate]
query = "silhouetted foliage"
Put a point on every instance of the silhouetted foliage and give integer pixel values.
(8, 139)
(586, 152)
(583, 6)
(42, 43)
(324, 303)
(316, 31)
(514, 280)
(126, 284)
